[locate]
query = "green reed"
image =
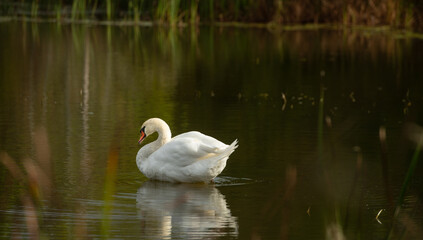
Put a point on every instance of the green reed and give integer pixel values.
(34, 9)
(410, 172)
(211, 10)
(193, 12)
(78, 9)
(173, 12)
(400, 201)
(162, 5)
(135, 6)
(58, 10)
(109, 9)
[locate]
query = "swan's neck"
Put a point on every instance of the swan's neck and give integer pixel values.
(164, 137)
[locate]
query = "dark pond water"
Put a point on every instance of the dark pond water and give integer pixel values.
(307, 107)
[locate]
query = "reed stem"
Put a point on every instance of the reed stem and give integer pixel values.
(410, 172)
(109, 9)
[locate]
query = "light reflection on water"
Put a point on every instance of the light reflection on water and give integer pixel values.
(185, 211)
(90, 88)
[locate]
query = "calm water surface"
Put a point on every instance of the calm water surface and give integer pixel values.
(306, 106)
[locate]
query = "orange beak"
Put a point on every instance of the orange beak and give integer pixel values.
(142, 137)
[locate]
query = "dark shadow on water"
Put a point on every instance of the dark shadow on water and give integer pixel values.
(226, 181)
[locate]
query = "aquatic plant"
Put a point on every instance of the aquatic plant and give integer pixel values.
(193, 12)
(36, 178)
(135, 6)
(34, 9)
(109, 9)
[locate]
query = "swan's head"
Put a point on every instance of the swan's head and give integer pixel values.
(147, 128)
(152, 125)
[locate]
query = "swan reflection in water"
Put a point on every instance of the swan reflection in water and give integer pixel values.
(180, 210)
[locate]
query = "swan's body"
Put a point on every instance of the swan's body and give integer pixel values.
(188, 157)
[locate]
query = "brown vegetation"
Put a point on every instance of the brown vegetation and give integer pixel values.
(396, 13)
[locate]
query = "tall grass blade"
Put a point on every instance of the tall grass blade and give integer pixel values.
(410, 172)
(193, 12)
(161, 10)
(34, 9)
(74, 9)
(211, 10)
(136, 9)
(418, 137)
(173, 12)
(58, 10)
(109, 9)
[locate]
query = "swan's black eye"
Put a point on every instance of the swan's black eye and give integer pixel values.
(142, 129)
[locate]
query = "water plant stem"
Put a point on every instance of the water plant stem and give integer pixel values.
(408, 176)
(109, 9)
(410, 172)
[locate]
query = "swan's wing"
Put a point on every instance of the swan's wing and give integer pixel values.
(206, 140)
(188, 148)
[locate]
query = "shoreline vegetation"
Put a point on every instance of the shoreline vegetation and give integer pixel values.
(283, 14)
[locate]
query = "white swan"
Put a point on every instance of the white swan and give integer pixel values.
(188, 157)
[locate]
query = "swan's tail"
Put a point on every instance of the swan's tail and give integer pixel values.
(229, 150)
(214, 165)
(224, 153)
